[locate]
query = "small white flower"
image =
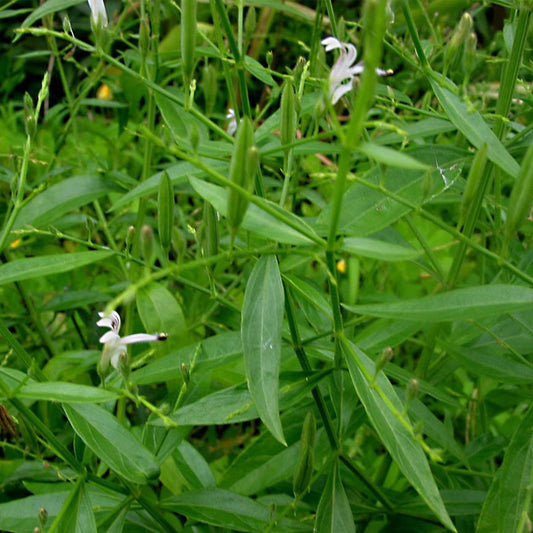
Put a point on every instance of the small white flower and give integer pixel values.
(114, 345)
(344, 68)
(98, 12)
(232, 124)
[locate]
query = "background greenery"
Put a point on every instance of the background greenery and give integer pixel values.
(346, 289)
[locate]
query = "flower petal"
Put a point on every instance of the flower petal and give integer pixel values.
(331, 43)
(141, 337)
(112, 320)
(110, 337)
(340, 91)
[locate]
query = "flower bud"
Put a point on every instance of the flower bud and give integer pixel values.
(188, 39)
(473, 182)
(29, 115)
(268, 58)
(452, 54)
(185, 372)
(384, 358)
(305, 466)
(469, 56)
(412, 390)
(165, 214)
(43, 516)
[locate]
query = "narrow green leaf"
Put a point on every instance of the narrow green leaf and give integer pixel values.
(228, 510)
(334, 514)
(62, 197)
(481, 363)
(471, 303)
(384, 409)
(58, 391)
(384, 251)
(392, 158)
(471, 124)
(193, 467)
(112, 442)
(505, 509)
(257, 70)
(36, 267)
(262, 320)
(77, 513)
(49, 7)
(256, 220)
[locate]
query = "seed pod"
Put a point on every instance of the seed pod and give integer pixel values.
(288, 115)
(242, 170)
(188, 39)
(165, 217)
(521, 199)
(209, 87)
(210, 239)
(147, 244)
(305, 466)
(473, 182)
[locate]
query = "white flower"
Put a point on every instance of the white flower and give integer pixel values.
(98, 12)
(232, 124)
(344, 68)
(114, 345)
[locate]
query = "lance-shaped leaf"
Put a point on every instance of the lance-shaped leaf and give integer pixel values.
(386, 413)
(262, 318)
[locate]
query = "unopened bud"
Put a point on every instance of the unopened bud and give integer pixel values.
(384, 358)
(412, 389)
(184, 368)
(288, 115)
(29, 115)
(469, 55)
(188, 39)
(268, 58)
(210, 87)
(43, 516)
(165, 215)
(305, 466)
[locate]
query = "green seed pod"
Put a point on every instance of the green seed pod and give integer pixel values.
(210, 87)
(144, 37)
(210, 236)
(165, 217)
(241, 173)
(305, 466)
(521, 199)
(288, 116)
(188, 38)
(250, 23)
(147, 244)
(473, 182)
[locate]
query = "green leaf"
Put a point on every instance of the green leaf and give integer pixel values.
(262, 320)
(333, 513)
(160, 312)
(227, 510)
(256, 69)
(212, 352)
(62, 197)
(58, 391)
(36, 267)
(384, 410)
(494, 366)
(77, 513)
(392, 158)
(49, 7)
(471, 303)
(21, 516)
(255, 220)
(384, 251)
(193, 467)
(112, 442)
(471, 124)
(506, 507)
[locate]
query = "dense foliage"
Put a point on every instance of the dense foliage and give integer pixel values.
(331, 259)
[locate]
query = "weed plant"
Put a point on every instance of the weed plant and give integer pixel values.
(320, 215)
